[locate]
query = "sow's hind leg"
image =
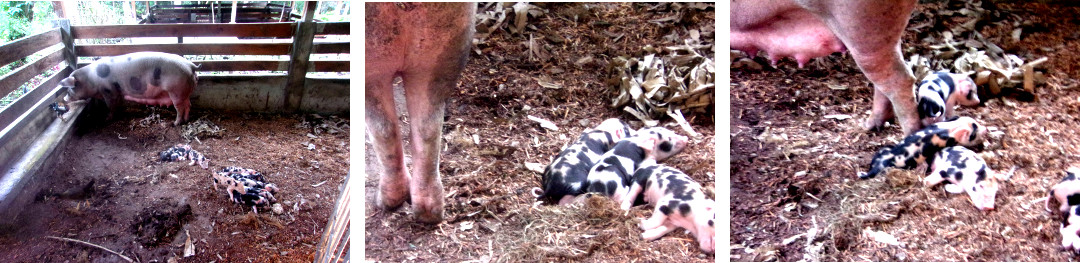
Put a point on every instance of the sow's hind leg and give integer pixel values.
(430, 77)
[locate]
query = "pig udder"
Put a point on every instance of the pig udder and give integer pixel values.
(789, 31)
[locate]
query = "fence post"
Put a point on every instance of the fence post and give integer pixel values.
(69, 42)
(299, 56)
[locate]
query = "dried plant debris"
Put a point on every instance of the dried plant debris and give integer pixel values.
(200, 128)
(666, 82)
(962, 49)
(319, 124)
(512, 18)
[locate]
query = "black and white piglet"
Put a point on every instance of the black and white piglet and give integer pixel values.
(182, 152)
(612, 173)
(940, 91)
(1066, 192)
(966, 172)
(921, 146)
(678, 200)
(565, 178)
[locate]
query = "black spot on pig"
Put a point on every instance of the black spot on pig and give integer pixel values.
(1073, 199)
(665, 209)
(103, 70)
(1069, 177)
(684, 209)
(136, 85)
(157, 77)
(981, 174)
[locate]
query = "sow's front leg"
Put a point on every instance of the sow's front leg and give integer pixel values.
(426, 45)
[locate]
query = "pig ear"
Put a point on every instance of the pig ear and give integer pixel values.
(961, 134)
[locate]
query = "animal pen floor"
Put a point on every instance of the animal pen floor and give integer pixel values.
(109, 189)
(489, 210)
(793, 171)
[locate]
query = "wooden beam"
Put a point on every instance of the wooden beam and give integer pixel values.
(20, 48)
(20, 76)
(185, 49)
(185, 30)
(68, 40)
(298, 59)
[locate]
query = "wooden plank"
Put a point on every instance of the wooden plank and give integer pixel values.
(265, 65)
(20, 76)
(185, 49)
(242, 65)
(21, 105)
(331, 47)
(332, 28)
(20, 48)
(185, 30)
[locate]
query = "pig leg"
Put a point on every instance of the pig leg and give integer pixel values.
(659, 231)
(1069, 238)
(386, 138)
(182, 103)
(426, 104)
(628, 200)
(933, 179)
(432, 69)
(876, 49)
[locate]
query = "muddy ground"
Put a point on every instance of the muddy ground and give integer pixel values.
(794, 172)
(490, 214)
(109, 189)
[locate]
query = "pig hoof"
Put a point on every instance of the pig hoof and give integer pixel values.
(391, 203)
(429, 212)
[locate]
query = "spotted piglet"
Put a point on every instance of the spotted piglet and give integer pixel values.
(679, 202)
(1066, 192)
(966, 172)
(245, 186)
(921, 147)
(940, 91)
(611, 175)
(565, 177)
(182, 152)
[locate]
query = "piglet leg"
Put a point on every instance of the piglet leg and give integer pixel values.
(654, 233)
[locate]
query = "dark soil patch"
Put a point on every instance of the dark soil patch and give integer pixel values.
(490, 213)
(110, 189)
(794, 172)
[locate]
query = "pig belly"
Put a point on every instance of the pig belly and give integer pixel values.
(426, 44)
(869, 29)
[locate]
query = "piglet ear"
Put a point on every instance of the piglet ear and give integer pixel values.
(961, 134)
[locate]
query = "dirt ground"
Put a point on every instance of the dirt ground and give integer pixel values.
(109, 189)
(794, 172)
(490, 215)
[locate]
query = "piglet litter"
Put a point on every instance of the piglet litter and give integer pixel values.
(183, 152)
(246, 186)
